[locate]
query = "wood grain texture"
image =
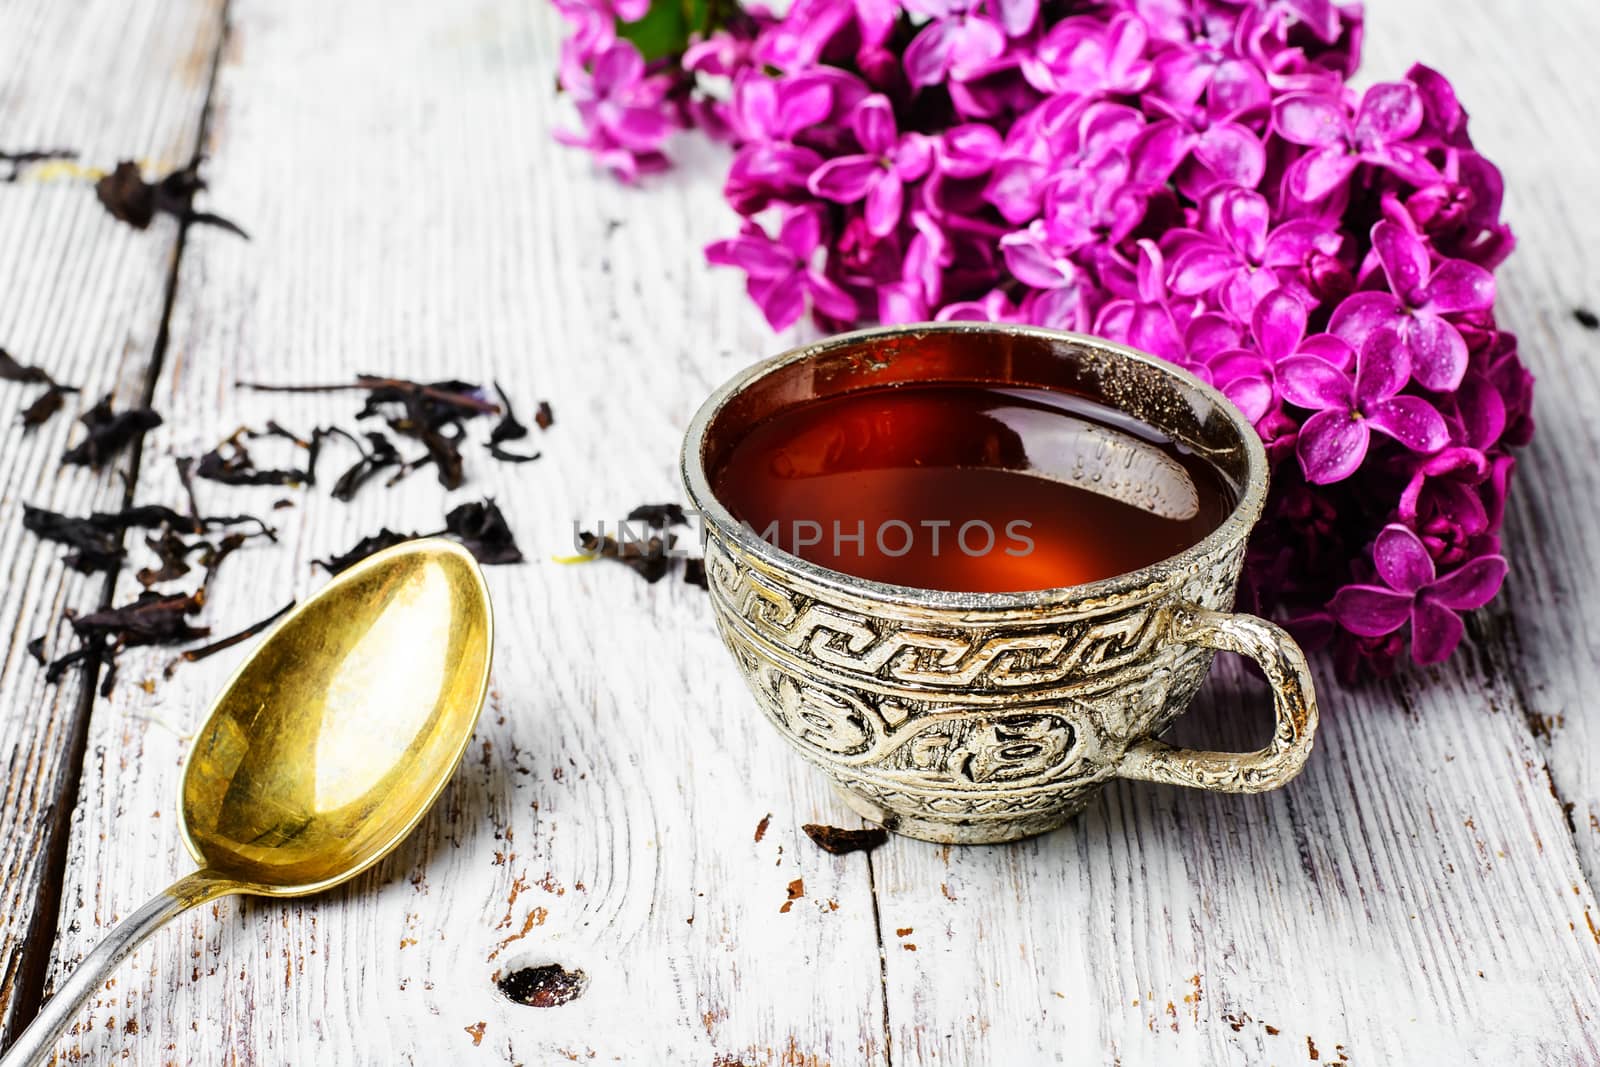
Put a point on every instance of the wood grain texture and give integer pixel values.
(1535, 101)
(81, 296)
(1415, 897)
(411, 214)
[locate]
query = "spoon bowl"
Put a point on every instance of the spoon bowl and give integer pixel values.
(325, 749)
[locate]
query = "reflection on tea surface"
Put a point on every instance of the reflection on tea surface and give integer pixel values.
(969, 487)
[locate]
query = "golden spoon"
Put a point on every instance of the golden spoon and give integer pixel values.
(323, 752)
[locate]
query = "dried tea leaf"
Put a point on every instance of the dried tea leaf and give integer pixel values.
(12, 371)
(659, 516)
(382, 455)
(483, 529)
(648, 560)
(40, 411)
(110, 432)
(840, 841)
(543, 417)
(195, 655)
(128, 197)
(151, 619)
(509, 428)
(48, 403)
(384, 538)
(18, 160)
(96, 539)
(230, 463)
(694, 572)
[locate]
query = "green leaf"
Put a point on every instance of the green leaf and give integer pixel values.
(663, 31)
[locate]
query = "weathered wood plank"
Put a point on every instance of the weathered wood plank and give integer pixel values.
(1416, 896)
(80, 295)
(427, 226)
(1531, 85)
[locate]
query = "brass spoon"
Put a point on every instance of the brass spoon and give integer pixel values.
(323, 752)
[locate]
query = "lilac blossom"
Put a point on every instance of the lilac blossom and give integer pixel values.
(781, 272)
(878, 175)
(1419, 296)
(1414, 592)
(1196, 178)
(1334, 441)
(1390, 113)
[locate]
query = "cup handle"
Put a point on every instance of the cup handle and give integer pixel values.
(1293, 696)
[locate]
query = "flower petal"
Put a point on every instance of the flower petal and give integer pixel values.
(1016, 15)
(1390, 111)
(1030, 262)
(1471, 585)
(1404, 259)
(1370, 610)
(874, 125)
(1309, 119)
(976, 44)
(1202, 268)
(1332, 445)
(1232, 153)
(1279, 323)
(1383, 366)
(845, 179)
(928, 56)
(885, 198)
(1438, 354)
(758, 257)
(801, 231)
(1458, 286)
(829, 298)
(1252, 396)
(1359, 314)
(1308, 382)
(1329, 349)
(1402, 559)
(781, 299)
(1435, 631)
(1321, 171)
(1410, 420)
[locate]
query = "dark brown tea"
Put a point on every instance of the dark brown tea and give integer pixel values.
(970, 488)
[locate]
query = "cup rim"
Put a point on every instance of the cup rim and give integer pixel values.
(713, 513)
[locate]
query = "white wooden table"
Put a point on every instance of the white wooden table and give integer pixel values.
(1422, 894)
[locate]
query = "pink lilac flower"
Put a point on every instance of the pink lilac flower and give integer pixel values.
(1334, 441)
(781, 273)
(1414, 592)
(1419, 297)
(958, 42)
(1196, 178)
(878, 175)
(622, 110)
(1390, 113)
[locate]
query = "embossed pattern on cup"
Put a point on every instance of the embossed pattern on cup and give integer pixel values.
(984, 717)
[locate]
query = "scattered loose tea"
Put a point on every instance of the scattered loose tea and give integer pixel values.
(434, 414)
(48, 403)
(131, 199)
(1586, 318)
(231, 463)
(509, 429)
(840, 842)
(16, 161)
(372, 543)
(35, 649)
(651, 558)
(96, 539)
(195, 655)
(546, 986)
(483, 529)
(659, 516)
(543, 417)
(110, 432)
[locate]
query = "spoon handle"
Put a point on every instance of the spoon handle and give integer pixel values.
(36, 1043)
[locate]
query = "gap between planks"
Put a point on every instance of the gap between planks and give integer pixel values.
(41, 937)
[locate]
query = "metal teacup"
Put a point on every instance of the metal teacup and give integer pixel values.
(986, 717)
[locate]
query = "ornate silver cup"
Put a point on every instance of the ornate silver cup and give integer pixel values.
(985, 717)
